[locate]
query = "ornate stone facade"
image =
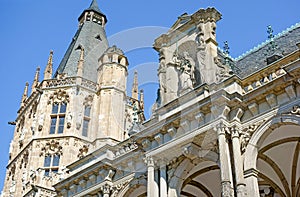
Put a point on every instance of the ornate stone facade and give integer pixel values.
(213, 131)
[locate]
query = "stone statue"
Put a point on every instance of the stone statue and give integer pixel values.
(41, 121)
(33, 125)
(224, 70)
(69, 119)
(187, 67)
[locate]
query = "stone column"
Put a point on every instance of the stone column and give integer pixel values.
(238, 162)
(152, 188)
(250, 172)
(163, 181)
(225, 166)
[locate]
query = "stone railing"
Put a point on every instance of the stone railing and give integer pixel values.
(51, 83)
(70, 81)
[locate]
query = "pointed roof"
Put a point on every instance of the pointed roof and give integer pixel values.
(92, 37)
(94, 7)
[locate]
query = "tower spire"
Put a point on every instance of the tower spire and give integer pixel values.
(135, 90)
(48, 70)
(36, 79)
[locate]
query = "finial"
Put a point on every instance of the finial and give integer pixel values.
(270, 32)
(142, 99)
(25, 93)
(226, 48)
(48, 70)
(134, 91)
(36, 79)
(226, 52)
(272, 46)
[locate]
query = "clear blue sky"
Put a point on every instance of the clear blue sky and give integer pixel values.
(30, 29)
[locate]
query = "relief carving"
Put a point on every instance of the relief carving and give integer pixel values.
(247, 133)
(83, 151)
(59, 97)
(51, 148)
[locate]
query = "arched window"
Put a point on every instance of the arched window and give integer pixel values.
(58, 118)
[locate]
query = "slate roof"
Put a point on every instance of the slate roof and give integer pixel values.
(92, 37)
(255, 59)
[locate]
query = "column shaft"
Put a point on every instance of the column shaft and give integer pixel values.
(225, 166)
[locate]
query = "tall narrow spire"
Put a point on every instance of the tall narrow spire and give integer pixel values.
(49, 67)
(36, 79)
(135, 90)
(80, 63)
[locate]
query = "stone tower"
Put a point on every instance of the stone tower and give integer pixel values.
(71, 112)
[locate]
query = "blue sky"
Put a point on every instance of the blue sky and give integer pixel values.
(30, 29)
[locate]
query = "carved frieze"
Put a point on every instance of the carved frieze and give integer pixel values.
(59, 97)
(51, 147)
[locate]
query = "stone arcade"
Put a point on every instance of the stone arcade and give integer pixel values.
(219, 127)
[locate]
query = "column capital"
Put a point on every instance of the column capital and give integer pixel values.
(227, 190)
(149, 161)
(105, 189)
(235, 132)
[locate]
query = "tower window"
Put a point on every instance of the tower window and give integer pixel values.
(58, 118)
(51, 164)
(86, 120)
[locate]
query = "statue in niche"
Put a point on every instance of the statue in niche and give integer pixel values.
(201, 53)
(69, 119)
(24, 179)
(79, 120)
(22, 136)
(33, 125)
(187, 67)
(12, 187)
(41, 121)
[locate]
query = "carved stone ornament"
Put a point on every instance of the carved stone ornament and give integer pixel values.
(59, 97)
(106, 189)
(296, 110)
(51, 148)
(117, 188)
(88, 100)
(83, 151)
(247, 133)
(227, 190)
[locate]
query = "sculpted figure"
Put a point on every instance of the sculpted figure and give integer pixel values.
(187, 67)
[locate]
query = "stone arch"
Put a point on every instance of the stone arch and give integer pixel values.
(136, 187)
(259, 163)
(189, 175)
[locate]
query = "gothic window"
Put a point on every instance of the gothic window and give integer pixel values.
(58, 117)
(51, 164)
(86, 120)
